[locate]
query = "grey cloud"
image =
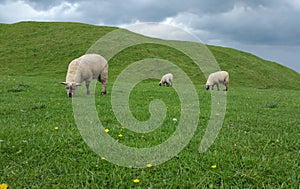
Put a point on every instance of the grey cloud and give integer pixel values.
(118, 11)
(44, 5)
(256, 21)
(252, 22)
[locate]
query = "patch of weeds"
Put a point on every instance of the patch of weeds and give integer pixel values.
(23, 85)
(20, 88)
(271, 105)
(38, 106)
(15, 90)
(265, 87)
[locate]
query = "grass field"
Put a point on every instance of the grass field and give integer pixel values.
(41, 146)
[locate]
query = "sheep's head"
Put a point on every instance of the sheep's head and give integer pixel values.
(207, 87)
(159, 84)
(71, 87)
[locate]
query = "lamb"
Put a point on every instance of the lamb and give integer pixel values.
(166, 79)
(86, 68)
(216, 78)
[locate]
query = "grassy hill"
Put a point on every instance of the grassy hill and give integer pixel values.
(41, 146)
(249, 70)
(30, 48)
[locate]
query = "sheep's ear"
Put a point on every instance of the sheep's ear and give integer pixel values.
(63, 83)
(78, 84)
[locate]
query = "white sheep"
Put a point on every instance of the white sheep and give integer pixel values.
(166, 79)
(86, 68)
(216, 78)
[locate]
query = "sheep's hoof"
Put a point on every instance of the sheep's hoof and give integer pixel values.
(103, 92)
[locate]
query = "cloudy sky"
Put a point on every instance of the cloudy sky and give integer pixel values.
(267, 28)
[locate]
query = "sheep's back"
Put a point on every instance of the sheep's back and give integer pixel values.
(91, 65)
(168, 76)
(217, 77)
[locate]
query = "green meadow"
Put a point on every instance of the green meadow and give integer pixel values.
(258, 145)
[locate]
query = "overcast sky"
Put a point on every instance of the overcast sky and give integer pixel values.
(267, 28)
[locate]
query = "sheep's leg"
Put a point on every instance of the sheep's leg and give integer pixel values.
(226, 86)
(87, 84)
(103, 80)
(103, 87)
(170, 83)
(218, 86)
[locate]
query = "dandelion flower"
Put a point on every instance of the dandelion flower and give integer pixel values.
(120, 135)
(106, 130)
(56, 128)
(136, 180)
(214, 166)
(102, 158)
(149, 165)
(3, 186)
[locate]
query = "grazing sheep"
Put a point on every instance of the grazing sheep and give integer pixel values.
(216, 78)
(166, 79)
(86, 68)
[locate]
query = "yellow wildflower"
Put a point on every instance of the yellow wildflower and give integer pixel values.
(149, 165)
(3, 186)
(56, 128)
(120, 135)
(136, 180)
(214, 166)
(106, 130)
(102, 158)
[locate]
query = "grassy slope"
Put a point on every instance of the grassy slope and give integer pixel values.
(252, 71)
(258, 145)
(44, 47)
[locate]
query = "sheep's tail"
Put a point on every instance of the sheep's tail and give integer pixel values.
(72, 70)
(226, 79)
